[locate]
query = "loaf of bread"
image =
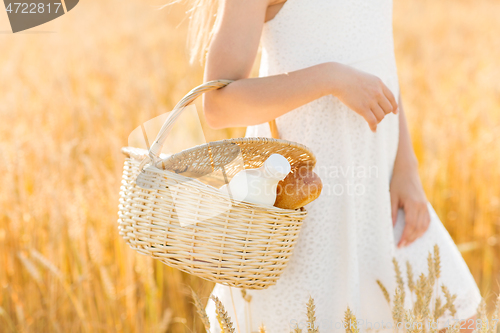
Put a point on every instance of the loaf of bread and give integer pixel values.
(300, 187)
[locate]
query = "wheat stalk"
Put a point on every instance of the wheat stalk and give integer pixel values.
(409, 319)
(30, 267)
(438, 308)
(413, 323)
(433, 328)
(420, 292)
(351, 324)
(248, 299)
(424, 291)
(384, 291)
(297, 329)
(409, 273)
(455, 328)
(46, 263)
(437, 262)
(224, 321)
(450, 299)
(434, 267)
(200, 310)
(494, 318)
(246, 296)
(431, 267)
(399, 278)
(481, 309)
(398, 310)
(234, 309)
(428, 290)
(107, 283)
(481, 312)
(311, 319)
(437, 268)
(166, 319)
(420, 325)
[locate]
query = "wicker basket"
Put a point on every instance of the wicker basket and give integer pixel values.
(245, 245)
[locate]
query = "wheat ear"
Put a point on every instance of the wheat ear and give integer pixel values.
(420, 326)
(494, 318)
(420, 292)
(311, 316)
(262, 328)
(384, 291)
(431, 267)
(450, 299)
(248, 299)
(224, 321)
(165, 321)
(429, 287)
(433, 328)
(413, 323)
(297, 329)
(481, 312)
(437, 269)
(351, 324)
(455, 328)
(200, 310)
(409, 319)
(398, 310)
(437, 262)
(246, 296)
(481, 309)
(409, 273)
(438, 308)
(399, 278)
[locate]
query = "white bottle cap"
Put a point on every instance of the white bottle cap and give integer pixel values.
(277, 166)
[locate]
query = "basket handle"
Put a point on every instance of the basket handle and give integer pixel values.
(154, 150)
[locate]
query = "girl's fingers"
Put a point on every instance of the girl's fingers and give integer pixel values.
(417, 232)
(378, 112)
(390, 97)
(407, 231)
(426, 219)
(371, 120)
(385, 105)
(410, 226)
(422, 220)
(394, 208)
(420, 229)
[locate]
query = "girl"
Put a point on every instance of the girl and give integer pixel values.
(328, 76)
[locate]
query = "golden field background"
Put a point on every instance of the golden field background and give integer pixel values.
(72, 90)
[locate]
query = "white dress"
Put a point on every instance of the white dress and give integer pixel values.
(347, 241)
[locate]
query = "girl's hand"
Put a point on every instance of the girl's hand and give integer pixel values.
(364, 93)
(407, 192)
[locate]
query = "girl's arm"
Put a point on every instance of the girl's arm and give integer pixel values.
(251, 101)
(406, 188)
(405, 157)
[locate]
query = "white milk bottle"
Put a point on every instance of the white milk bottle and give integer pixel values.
(258, 185)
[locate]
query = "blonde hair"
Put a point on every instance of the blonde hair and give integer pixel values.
(203, 15)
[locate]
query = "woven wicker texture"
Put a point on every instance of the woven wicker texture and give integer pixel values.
(166, 213)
